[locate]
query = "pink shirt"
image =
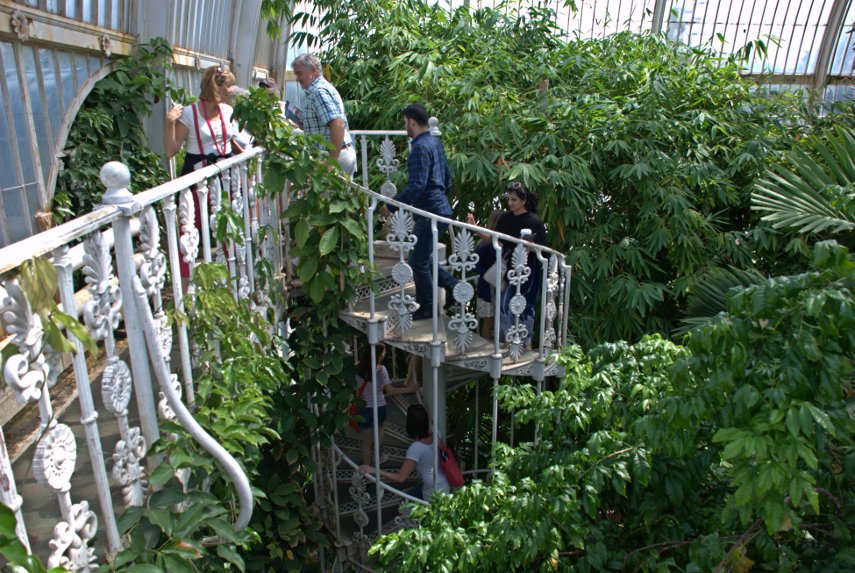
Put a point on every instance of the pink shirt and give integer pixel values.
(382, 380)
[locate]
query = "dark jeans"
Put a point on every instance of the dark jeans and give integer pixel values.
(416, 491)
(421, 261)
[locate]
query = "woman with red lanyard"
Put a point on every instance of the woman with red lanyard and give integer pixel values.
(206, 127)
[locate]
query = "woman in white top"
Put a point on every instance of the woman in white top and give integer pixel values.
(419, 456)
(384, 388)
(206, 127)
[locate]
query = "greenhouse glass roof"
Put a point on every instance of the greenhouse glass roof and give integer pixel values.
(806, 42)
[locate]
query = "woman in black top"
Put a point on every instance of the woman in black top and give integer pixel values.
(522, 214)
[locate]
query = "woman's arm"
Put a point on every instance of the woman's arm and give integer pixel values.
(399, 477)
(174, 132)
(408, 388)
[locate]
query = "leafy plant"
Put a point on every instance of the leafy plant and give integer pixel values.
(812, 192)
(109, 127)
(329, 242)
(731, 453)
(197, 537)
(38, 280)
(14, 552)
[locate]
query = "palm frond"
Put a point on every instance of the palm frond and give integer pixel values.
(709, 296)
(802, 196)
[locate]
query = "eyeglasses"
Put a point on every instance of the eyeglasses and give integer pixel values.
(518, 188)
(219, 78)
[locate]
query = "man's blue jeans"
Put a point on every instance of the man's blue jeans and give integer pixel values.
(421, 261)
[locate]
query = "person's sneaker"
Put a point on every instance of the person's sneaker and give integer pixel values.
(422, 314)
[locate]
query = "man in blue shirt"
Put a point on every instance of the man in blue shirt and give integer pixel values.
(324, 111)
(427, 189)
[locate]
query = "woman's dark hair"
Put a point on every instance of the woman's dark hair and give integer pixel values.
(519, 189)
(418, 422)
(364, 366)
(417, 112)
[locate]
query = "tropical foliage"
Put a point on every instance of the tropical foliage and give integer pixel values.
(644, 152)
(731, 453)
(109, 127)
(814, 191)
(809, 193)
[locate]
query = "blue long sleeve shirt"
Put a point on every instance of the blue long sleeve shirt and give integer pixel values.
(429, 177)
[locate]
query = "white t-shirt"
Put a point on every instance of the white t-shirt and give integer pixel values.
(214, 125)
(422, 454)
(367, 395)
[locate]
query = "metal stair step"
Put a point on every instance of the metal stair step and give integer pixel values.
(346, 477)
(346, 443)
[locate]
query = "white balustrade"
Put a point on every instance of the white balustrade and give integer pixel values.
(126, 230)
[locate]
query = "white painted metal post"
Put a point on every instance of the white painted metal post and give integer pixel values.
(248, 216)
(363, 140)
(88, 413)
(171, 221)
(116, 177)
(202, 196)
(435, 346)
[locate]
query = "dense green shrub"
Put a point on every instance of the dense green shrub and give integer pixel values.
(644, 152)
(732, 452)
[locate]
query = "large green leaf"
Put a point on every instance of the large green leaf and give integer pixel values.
(814, 195)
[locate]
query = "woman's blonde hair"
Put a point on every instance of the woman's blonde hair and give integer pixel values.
(212, 78)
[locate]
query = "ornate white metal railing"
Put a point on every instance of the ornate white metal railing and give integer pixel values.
(127, 229)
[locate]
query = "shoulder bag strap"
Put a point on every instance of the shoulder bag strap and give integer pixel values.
(362, 389)
(198, 134)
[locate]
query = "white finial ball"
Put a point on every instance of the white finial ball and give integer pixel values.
(433, 125)
(115, 175)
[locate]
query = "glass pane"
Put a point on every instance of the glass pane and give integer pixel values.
(86, 16)
(69, 91)
(19, 112)
(55, 109)
(43, 139)
(844, 54)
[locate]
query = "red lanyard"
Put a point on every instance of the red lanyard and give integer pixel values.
(213, 135)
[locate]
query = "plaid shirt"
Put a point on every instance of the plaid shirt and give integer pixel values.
(323, 104)
(429, 177)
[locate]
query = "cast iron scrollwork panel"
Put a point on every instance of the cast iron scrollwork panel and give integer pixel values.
(463, 260)
(402, 240)
(101, 314)
(517, 275)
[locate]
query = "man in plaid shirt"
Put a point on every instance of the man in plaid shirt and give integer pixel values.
(324, 113)
(427, 189)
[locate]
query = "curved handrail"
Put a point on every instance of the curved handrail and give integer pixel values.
(455, 223)
(223, 457)
(385, 486)
(47, 241)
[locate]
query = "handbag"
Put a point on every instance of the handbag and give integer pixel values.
(490, 276)
(353, 410)
(449, 465)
